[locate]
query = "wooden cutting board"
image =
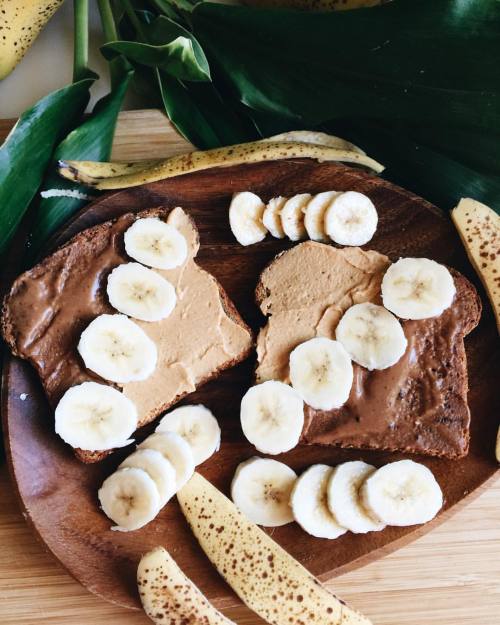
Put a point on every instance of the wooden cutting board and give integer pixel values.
(200, 571)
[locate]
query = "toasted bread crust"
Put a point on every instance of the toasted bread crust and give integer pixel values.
(436, 426)
(93, 242)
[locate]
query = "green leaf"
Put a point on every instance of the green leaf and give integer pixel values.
(174, 50)
(417, 61)
(200, 114)
(27, 150)
(168, 7)
(414, 82)
(474, 148)
(419, 168)
(92, 141)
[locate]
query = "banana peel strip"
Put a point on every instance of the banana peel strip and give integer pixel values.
(312, 136)
(97, 174)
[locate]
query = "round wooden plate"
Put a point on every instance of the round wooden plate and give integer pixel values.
(58, 493)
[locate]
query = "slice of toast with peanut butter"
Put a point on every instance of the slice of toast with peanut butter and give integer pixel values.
(50, 305)
(419, 405)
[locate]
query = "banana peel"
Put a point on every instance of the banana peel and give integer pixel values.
(100, 170)
(312, 136)
(97, 174)
(479, 228)
(265, 577)
(21, 22)
(168, 596)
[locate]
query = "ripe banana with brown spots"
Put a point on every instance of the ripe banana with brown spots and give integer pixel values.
(97, 174)
(21, 22)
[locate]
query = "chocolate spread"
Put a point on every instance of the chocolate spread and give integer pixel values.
(411, 405)
(51, 305)
(420, 403)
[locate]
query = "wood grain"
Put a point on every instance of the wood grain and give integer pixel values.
(410, 570)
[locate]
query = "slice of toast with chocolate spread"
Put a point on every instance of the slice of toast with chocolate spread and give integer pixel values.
(419, 405)
(50, 305)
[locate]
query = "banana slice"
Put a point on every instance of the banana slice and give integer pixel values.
(417, 288)
(197, 426)
(159, 469)
(402, 493)
(117, 349)
(321, 372)
(168, 596)
(272, 417)
(292, 216)
(272, 216)
(129, 497)
(372, 336)
(141, 293)
(310, 506)
(314, 220)
(344, 501)
(95, 417)
(351, 219)
(245, 218)
(156, 244)
(175, 449)
(261, 489)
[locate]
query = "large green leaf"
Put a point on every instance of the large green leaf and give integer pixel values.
(92, 141)
(474, 148)
(200, 114)
(173, 49)
(414, 82)
(417, 61)
(429, 172)
(27, 150)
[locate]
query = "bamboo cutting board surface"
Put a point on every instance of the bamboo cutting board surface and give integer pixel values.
(451, 576)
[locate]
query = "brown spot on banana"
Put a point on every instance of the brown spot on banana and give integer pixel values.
(267, 579)
(91, 174)
(22, 22)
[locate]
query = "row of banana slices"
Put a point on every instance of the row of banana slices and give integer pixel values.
(149, 477)
(98, 417)
(320, 369)
(347, 218)
(329, 501)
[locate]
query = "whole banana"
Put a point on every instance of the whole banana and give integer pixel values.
(21, 21)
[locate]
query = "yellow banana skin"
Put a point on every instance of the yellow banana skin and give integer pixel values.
(96, 169)
(21, 21)
(312, 136)
(255, 152)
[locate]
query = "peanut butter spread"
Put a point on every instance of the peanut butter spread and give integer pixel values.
(417, 405)
(305, 292)
(50, 305)
(197, 339)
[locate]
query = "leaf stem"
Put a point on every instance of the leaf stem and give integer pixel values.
(136, 23)
(107, 20)
(81, 39)
(117, 66)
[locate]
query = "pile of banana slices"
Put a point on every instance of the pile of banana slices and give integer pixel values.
(329, 501)
(348, 218)
(98, 417)
(320, 369)
(161, 465)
